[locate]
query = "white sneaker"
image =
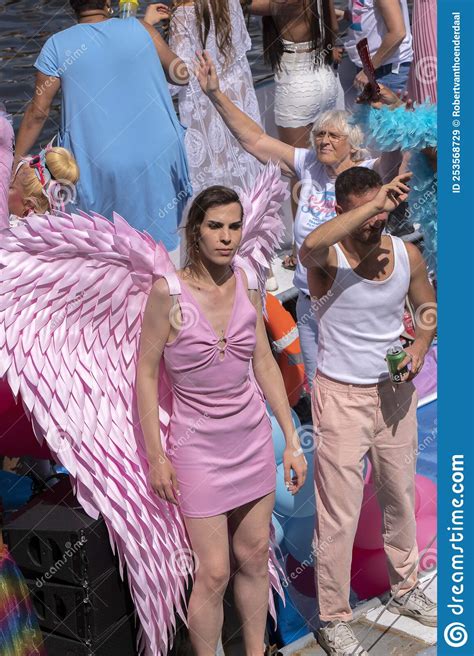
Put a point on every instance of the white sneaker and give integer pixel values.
(271, 284)
(338, 639)
(417, 605)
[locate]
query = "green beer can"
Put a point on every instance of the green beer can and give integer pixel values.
(395, 355)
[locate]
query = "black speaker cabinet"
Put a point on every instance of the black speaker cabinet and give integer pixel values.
(82, 605)
(119, 640)
(80, 611)
(52, 538)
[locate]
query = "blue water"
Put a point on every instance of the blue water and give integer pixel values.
(25, 26)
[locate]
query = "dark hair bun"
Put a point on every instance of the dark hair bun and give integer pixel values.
(86, 5)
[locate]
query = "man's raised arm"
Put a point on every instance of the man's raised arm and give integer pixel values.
(315, 249)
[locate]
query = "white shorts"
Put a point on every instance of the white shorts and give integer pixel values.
(302, 91)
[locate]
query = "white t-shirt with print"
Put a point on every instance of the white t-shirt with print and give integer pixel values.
(367, 22)
(317, 202)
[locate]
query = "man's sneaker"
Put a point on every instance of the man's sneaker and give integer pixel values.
(417, 605)
(338, 639)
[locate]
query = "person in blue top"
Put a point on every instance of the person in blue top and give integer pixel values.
(117, 116)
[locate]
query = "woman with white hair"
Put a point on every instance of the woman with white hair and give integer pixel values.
(336, 146)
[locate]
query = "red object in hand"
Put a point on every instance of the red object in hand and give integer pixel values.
(372, 90)
(408, 324)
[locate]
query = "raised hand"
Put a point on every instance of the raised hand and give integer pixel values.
(206, 74)
(157, 12)
(392, 194)
(385, 98)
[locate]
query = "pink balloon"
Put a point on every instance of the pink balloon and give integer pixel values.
(301, 576)
(368, 472)
(426, 529)
(417, 500)
(428, 496)
(369, 573)
(369, 529)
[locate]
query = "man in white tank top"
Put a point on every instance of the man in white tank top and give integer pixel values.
(358, 279)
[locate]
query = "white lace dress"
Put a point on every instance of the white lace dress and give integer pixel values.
(214, 156)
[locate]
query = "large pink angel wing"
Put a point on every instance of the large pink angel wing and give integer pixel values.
(73, 289)
(263, 227)
(263, 232)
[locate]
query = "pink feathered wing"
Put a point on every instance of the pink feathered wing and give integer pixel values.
(73, 290)
(263, 234)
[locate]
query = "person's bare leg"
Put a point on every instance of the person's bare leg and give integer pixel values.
(209, 538)
(249, 526)
(299, 138)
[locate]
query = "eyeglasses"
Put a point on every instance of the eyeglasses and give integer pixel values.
(332, 136)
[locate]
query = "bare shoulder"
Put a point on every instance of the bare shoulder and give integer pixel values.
(415, 257)
(160, 292)
(321, 279)
(331, 261)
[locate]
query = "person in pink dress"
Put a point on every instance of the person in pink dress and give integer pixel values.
(205, 320)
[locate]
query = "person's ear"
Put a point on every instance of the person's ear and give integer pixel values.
(339, 209)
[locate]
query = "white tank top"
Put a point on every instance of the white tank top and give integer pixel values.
(360, 319)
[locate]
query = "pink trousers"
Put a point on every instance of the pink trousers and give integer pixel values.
(350, 422)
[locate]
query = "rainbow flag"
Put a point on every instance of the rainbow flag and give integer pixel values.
(19, 631)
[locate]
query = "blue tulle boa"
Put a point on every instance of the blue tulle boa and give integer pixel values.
(392, 129)
(388, 130)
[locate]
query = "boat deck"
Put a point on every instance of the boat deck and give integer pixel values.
(381, 633)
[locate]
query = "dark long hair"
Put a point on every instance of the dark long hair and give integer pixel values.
(210, 197)
(322, 37)
(205, 10)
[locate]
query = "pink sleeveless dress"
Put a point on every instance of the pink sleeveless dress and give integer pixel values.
(220, 437)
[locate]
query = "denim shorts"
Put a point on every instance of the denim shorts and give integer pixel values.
(394, 81)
